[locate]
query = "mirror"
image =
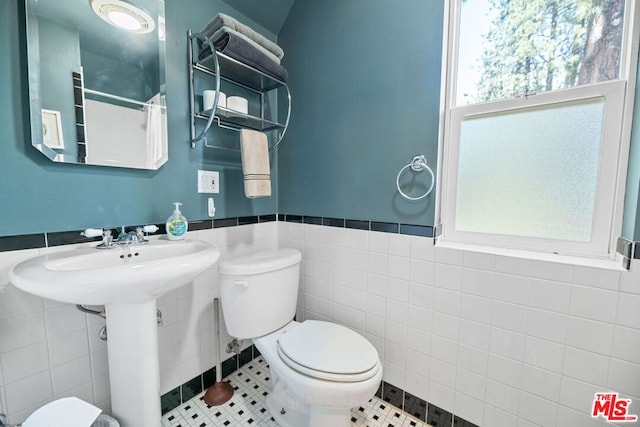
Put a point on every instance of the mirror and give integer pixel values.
(97, 91)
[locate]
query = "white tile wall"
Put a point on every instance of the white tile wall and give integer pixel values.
(28, 391)
(24, 362)
(70, 375)
(497, 340)
(497, 417)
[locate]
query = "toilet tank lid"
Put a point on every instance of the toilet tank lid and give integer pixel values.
(261, 262)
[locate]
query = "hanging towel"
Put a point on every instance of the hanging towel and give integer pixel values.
(225, 20)
(254, 150)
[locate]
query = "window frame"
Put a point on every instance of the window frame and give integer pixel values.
(617, 125)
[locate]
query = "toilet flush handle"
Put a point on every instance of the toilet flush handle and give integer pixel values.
(242, 283)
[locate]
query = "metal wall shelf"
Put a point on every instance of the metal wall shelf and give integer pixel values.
(240, 120)
(227, 69)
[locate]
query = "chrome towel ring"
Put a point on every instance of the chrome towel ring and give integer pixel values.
(418, 164)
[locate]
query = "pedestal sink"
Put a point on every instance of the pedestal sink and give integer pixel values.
(126, 280)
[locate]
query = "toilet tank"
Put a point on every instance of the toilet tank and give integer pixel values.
(259, 292)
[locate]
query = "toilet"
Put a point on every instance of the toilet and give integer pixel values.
(319, 370)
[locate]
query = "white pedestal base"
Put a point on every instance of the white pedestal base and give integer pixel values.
(134, 371)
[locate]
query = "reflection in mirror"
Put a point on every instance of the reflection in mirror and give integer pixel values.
(96, 83)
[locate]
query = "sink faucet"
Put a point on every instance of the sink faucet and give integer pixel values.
(107, 238)
(132, 237)
(127, 238)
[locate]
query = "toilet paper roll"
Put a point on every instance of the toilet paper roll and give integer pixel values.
(66, 412)
(238, 103)
(207, 99)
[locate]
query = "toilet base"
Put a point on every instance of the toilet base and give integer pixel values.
(289, 412)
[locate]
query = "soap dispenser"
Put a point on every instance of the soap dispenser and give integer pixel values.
(176, 224)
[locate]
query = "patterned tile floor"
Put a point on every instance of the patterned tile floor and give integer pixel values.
(247, 407)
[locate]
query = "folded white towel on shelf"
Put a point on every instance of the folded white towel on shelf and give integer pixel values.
(222, 19)
(254, 150)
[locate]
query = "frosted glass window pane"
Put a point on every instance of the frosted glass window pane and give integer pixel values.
(532, 172)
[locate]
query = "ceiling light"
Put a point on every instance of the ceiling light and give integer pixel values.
(123, 15)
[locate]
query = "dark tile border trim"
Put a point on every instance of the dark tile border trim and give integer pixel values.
(25, 241)
(68, 238)
(417, 230)
(293, 218)
(333, 222)
(226, 222)
(60, 238)
(246, 220)
(357, 224)
(267, 218)
(200, 225)
(316, 220)
(421, 409)
(385, 227)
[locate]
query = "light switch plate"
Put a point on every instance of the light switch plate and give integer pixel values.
(208, 182)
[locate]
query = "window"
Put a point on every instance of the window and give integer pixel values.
(534, 124)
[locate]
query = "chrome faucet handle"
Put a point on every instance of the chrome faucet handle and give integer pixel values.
(107, 243)
(140, 234)
(122, 235)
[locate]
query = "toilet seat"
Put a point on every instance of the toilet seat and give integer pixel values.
(328, 351)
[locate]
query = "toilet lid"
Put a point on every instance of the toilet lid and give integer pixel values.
(328, 351)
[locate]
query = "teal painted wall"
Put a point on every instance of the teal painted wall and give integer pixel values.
(40, 196)
(365, 79)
